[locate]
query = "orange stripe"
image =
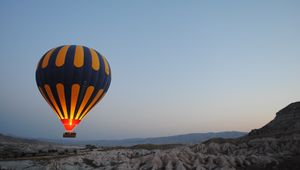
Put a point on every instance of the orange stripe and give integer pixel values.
(74, 98)
(61, 56)
(47, 57)
(49, 93)
(43, 94)
(61, 94)
(95, 60)
(106, 65)
(86, 98)
(79, 57)
(100, 92)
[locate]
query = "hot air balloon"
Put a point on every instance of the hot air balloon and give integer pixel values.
(72, 79)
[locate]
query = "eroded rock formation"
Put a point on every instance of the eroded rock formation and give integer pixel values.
(275, 146)
(286, 122)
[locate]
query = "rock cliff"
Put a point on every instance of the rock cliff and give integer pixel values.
(286, 122)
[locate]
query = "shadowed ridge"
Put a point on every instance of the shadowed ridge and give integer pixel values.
(286, 122)
(293, 108)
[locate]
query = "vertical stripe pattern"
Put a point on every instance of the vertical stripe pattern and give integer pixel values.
(74, 98)
(47, 100)
(79, 57)
(86, 98)
(52, 99)
(96, 98)
(61, 95)
(47, 57)
(61, 56)
(95, 60)
(106, 65)
(73, 79)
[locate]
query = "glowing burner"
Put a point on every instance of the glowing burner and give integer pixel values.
(69, 125)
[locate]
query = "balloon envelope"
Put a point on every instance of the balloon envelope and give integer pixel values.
(72, 79)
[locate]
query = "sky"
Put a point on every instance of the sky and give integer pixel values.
(177, 66)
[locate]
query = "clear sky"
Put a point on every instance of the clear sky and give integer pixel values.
(177, 66)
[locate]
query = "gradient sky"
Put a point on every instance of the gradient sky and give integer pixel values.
(177, 66)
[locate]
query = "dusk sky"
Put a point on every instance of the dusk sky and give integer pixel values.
(177, 66)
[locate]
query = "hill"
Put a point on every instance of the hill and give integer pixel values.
(191, 138)
(286, 122)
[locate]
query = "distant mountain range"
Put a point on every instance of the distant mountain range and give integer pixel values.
(191, 138)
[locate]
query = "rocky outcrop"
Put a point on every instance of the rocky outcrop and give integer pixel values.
(286, 122)
(259, 153)
(276, 146)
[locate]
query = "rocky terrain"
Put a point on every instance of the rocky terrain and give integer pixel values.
(286, 122)
(274, 146)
